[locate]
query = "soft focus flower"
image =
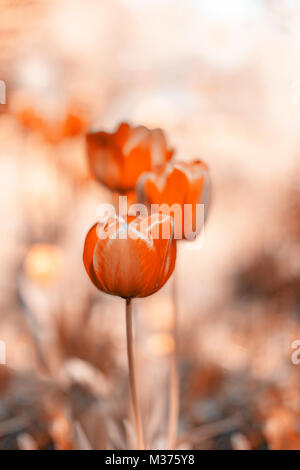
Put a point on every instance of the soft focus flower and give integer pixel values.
(43, 263)
(160, 344)
(71, 125)
(118, 159)
(53, 125)
(130, 258)
(183, 184)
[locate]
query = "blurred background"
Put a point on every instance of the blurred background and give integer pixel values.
(222, 78)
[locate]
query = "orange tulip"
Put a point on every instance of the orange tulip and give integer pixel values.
(72, 122)
(118, 159)
(184, 184)
(130, 257)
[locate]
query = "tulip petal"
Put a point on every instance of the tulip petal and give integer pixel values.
(88, 254)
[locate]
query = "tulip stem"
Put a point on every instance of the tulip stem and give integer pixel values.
(174, 378)
(132, 378)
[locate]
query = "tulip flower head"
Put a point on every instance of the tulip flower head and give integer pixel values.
(181, 190)
(130, 257)
(118, 159)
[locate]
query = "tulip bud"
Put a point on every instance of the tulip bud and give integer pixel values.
(130, 257)
(182, 190)
(118, 159)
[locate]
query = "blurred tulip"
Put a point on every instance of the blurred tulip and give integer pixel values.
(54, 127)
(177, 191)
(185, 184)
(71, 125)
(118, 159)
(135, 259)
